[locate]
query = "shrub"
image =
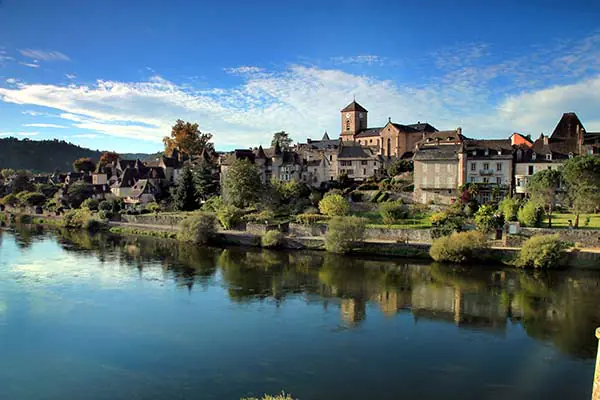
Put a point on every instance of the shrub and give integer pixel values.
(315, 197)
(199, 228)
(486, 219)
(459, 247)
(153, 207)
(542, 251)
(509, 207)
(384, 197)
(105, 205)
(530, 214)
(23, 219)
(213, 204)
(343, 233)
(393, 211)
(31, 199)
(9, 200)
(229, 216)
(102, 214)
(446, 223)
(356, 196)
(260, 217)
(82, 219)
(334, 205)
(271, 240)
(368, 186)
(309, 219)
(90, 204)
(376, 196)
(114, 205)
(93, 225)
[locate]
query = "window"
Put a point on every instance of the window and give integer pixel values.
(350, 172)
(374, 163)
(533, 156)
(486, 166)
(530, 170)
(474, 153)
(364, 171)
(498, 166)
(548, 156)
(346, 163)
(330, 157)
(499, 180)
(486, 179)
(364, 162)
(472, 179)
(487, 152)
(485, 197)
(499, 152)
(570, 155)
(519, 182)
(473, 166)
(347, 124)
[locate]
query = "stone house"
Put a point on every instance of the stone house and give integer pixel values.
(359, 162)
(489, 164)
(439, 167)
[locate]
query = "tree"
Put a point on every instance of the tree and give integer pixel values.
(78, 192)
(7, 173)
(204, 182)
(487, 219)
(509, 207)
(543, 187)
(399, 166)
(108, 157)
(334, 205)
(582, 180)
(242, 185)
(21, 183)
(187, 139)
(283, 138)
(184, 196)
(84, 164)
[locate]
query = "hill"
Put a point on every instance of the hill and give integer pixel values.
(49, 155)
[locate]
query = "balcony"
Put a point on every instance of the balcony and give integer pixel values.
(484, 172)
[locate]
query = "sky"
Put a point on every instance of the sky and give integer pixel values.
(116, 75)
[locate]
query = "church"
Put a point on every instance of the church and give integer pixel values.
(391, 140)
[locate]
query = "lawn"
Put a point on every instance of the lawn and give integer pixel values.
(562, 221)
(418, 221)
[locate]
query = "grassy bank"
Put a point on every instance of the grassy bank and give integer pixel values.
(123, 230)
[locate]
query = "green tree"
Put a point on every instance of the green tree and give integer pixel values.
(487, 219)
(204, 182)
(543, 188)
(184, 195)
(78, 192)
(242, 185)
(7, 172)
(581, 176)
(283, 138)
(187, 139)
(22, 183)
(84, 165)
(344, 233)
(509, 207)
(530, 214)
(398, 167)
(334, 205)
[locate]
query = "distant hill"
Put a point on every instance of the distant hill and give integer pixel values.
(50, 155)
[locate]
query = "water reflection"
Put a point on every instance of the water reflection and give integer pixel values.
(559, 307)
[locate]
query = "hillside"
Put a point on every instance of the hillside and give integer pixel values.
(49, 155)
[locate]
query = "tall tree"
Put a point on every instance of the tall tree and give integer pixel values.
(204, 181)
(283, 138)
(581, 176)
(108, 157)
(184, 195)
(78, 192)
(543, 187)
(84, 165)
(187, 139)
(22, 183)
(242, 185)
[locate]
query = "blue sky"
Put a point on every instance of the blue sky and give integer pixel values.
(117, 74)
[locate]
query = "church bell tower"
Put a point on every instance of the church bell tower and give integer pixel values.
(354, 120)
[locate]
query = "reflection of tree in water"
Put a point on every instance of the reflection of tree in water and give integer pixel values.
(26, 235)
(560, 307)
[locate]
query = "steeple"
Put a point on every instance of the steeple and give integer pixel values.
(354, 120)
(325, 136)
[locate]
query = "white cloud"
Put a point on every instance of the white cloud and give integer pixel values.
(243, 70)
(19, 133)
(30, 65)
(33, 113)
(367, 59)
(70, 76)
(11, 81)
(40, 125)
(305, 100)
(44, 55)
(85, 136)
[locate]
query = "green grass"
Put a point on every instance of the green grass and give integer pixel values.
(562, 221)
(142, 232)
(419, 221)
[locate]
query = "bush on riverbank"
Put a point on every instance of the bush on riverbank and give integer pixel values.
(393, 211)
(272, 240)
(334, 205)
(82, 219)
(542, 251)
(459, 247)
(343, 233)
(310, 219)
(229, 216)
(531, 214)
(199, 229)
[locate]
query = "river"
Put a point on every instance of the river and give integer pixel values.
(104, 317)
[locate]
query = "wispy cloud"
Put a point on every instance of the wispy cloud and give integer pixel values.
(41, 125)
(368, 59)
(13, 134)
(485, 93)
(11, 81)
(30, 65)
(44, 55)
(70, 76)
(243, 70)
(86, 136)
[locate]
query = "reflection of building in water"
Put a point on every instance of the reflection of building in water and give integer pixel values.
(390, 302)
(353, 310)
(465, 309)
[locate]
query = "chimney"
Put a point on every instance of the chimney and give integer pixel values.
(459, 130)
(545, 138)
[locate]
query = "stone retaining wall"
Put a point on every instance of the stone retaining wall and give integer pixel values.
(581, 237)
(260, 229)
(410, 235)
(153, 219)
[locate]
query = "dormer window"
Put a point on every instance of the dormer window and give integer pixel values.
(533, 156)
(474, 153)
(499, 152)
(570, 155)
(450, 139)
(548, 156)
(487, 152)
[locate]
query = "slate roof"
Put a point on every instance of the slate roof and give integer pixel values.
(438, 152)
(422, 127)
(325, 136)
(323, 144)
(370, 132)
(354, 106)
(443, 136)
(493, 146)
(354, 151)
(313, 163)
(128, 179)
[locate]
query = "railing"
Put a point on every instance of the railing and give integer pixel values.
(487, 172)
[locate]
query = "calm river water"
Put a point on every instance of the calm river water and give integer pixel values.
(99, 317)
